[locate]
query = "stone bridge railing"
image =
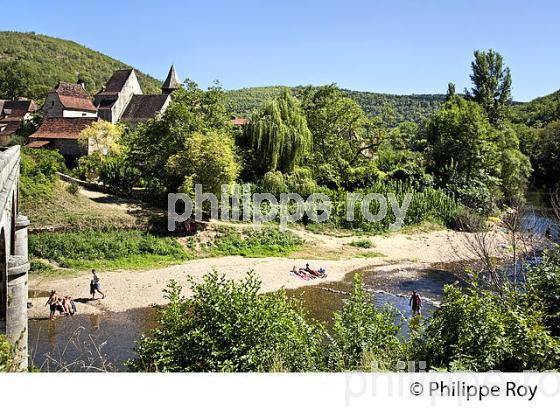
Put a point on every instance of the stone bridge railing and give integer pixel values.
(14, 262)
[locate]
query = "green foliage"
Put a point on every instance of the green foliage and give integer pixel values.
(362, 243)
(91, 248)
(478, 330)
(38, 174)
(492, 84)
(547, 155)
(7, 355)
(407, 107)
(227, 327)
(279, 134)
(48, 60)
(538, 112)
(207, 159)
(14, 79)
(73, 188)
(543, 287)
(254, 243)
(362, 331)
(157, 145)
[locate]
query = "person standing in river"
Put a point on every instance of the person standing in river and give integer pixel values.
(95, 285)
(416, 303)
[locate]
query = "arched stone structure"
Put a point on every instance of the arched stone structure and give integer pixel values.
(14, 262)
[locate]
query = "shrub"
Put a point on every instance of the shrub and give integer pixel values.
(227, 326)
(543, 285)
(73, 188)
(362, 243)
(481, 331)
(467, 220)
(254, 243)
(364, 335)
(38, 173)
(7, 355)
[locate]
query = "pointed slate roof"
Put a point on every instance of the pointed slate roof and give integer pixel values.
(172, 82)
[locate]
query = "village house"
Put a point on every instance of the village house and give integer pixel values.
(61, 134)
(69, 100)
(12, 115)
(121, 99)
(68, 109)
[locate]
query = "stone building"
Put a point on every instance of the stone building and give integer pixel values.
(12, 115)
(69, 100)
(14, 262)
(122, 99)
(61, 134)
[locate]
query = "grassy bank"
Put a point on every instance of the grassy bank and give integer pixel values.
(253, 244)
(112, 249)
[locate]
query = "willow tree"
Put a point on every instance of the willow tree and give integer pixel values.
(279, 134)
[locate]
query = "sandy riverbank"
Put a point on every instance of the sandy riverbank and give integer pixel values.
(134, 289)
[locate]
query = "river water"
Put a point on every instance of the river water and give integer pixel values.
(104, 342)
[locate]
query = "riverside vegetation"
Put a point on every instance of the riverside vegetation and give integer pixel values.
(470, 158)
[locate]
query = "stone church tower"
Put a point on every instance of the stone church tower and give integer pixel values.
(172, 82)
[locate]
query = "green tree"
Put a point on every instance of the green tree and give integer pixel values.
(340, 138)
(208, 159)
(492, 84)
(547, 155)
(228, 326)
(14, 79)
(450, 91)
(150, 146)
(279, 134)
(102, 136)
(462, 149)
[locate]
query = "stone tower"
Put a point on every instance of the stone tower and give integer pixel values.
(172, 82)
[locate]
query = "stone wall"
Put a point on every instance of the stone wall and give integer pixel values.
(52, 107)
(14, 263)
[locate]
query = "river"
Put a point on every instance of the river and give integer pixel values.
(104, 342)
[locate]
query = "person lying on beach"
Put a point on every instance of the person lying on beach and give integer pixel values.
(299, 272)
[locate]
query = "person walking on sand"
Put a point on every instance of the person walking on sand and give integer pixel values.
(416, 303)
(95, 285)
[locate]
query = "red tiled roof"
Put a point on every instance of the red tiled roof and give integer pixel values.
(74, 96)
(61, 128)
(9, 128)
(37, 144)
(77, 103)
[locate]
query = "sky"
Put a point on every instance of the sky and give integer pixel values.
(397, 47)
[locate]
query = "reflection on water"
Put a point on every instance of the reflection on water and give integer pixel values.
(74, 341)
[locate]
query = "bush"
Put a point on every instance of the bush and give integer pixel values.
(364, 335)
(543, 286)
(362, 243)
(480, 331)
(73, 188)
(254, 243)
(467, 220)
(38, 173)
(227, 326)
(7, 355)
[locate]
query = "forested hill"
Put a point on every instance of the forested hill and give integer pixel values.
(49, 60)
(407, 107)
(539, 111)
